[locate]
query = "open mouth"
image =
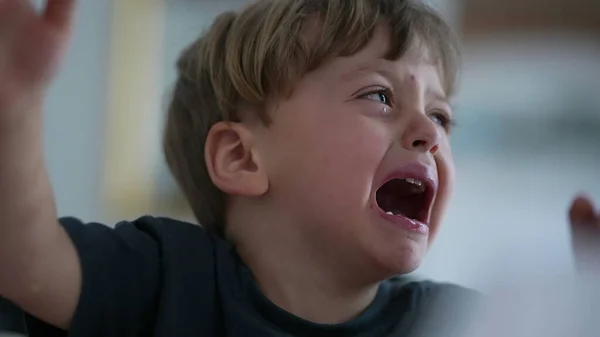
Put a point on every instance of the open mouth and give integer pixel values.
(407, 197)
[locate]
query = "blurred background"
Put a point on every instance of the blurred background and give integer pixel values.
(528, 137)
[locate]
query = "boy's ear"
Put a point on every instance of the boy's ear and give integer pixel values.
(233, 161)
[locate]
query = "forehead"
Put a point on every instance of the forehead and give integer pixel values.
(411, 64)
(415, 64)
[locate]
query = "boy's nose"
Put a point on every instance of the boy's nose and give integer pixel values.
(421, 134)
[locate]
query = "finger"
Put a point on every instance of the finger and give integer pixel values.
(12, 15)
(585, 236)
(582, 212)
(60, 13)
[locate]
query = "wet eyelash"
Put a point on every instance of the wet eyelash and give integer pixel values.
(446, 121)
(381, 91)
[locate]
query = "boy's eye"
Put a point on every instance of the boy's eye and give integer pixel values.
(442, 120)
(381, 96)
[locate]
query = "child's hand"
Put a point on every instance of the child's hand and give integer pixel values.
(31, 46)
(585, 227)
(40, 270)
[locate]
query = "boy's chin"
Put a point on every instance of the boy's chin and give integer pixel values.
(405, 266)
(402, 261)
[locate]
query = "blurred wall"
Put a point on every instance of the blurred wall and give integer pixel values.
(75, 115)
(527, 143)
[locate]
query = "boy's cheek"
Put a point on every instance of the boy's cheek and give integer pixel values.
(337, 157)
(333, 168)
(446, 176)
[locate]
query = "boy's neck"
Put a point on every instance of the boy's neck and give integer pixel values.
(313, 302)
(297, 281)
(305, 291)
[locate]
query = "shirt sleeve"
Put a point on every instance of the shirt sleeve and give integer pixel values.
(120, 280)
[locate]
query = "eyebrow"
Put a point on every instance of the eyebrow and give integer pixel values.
(439, 96)
(366, 68)
(355, 72)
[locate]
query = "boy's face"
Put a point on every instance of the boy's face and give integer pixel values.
(350, 127)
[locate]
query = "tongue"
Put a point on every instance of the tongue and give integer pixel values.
(394, 204)
(397, 210)
(397, 197)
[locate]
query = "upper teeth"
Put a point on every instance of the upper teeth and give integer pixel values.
(414, 181)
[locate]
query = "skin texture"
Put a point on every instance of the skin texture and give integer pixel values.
(310, 177)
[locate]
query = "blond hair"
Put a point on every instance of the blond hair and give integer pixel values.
(263, 50)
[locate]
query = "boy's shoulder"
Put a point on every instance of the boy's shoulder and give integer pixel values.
(158, 241)
(143, 275)
(143, 230)
(161, 226)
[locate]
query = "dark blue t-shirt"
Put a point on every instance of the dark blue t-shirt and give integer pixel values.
(165, 278)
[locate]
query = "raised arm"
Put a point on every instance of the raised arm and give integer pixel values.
(39, 267)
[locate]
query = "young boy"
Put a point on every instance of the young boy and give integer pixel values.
(311, 140)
